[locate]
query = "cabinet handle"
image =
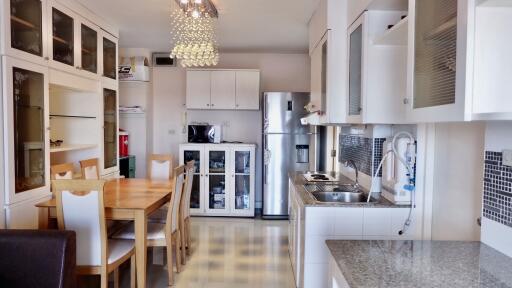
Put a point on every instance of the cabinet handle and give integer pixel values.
(46, 58)
(208, 105)
(406, 101)
(213, 105)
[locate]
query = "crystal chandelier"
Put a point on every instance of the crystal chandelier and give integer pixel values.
(193, 33)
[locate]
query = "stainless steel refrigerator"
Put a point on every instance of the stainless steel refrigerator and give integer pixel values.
(288, 146)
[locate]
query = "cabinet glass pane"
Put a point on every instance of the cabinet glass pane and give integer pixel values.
(242, 191)
(193, 155)
(217, 162)
(242, 162)
(26, 26)
(89, 49)
(110, 128)
(29, 130)
(195, 196)
(217, 188)
(435, 53)
(109, 58)
(324, 76)
(355, 69)
(63, 37)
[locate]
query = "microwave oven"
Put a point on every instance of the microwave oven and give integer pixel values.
(204, 133)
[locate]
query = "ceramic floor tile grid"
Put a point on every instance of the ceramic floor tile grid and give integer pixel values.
(230, 253)
(497, 189)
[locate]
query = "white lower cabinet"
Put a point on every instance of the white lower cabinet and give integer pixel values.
(311, 226)
(224, 179)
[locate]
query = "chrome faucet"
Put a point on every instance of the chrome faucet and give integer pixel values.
(353, 164)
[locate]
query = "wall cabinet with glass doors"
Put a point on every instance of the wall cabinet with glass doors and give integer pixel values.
(223, 183)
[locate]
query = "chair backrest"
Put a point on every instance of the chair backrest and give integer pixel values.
(187, 189)
(90, 169)
(172, 219)
(80, 208)
(160, 167)
(62, 171)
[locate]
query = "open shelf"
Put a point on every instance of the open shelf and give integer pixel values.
(72, 147)
(71, 116)
(396, 36)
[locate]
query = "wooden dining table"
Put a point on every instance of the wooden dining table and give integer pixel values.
(126, 199)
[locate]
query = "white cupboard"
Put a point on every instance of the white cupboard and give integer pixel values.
(223, 89)
(224, 179)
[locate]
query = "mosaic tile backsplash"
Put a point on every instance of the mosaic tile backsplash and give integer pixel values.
(366, 152)
(497, 189)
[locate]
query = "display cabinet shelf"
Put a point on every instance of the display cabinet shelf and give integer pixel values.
(395, 36)
(72, 147)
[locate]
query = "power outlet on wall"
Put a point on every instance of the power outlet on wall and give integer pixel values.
(507, 157)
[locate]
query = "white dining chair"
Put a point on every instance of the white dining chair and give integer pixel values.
(185, 206)
(166, 234)
(160, 167)
(90, 169)
(80, 208)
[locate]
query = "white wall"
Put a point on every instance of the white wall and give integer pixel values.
(457, 181)
(498, 136)
(279, 72)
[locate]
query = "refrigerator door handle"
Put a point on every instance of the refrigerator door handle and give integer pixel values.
(266, 160)
(266, 123)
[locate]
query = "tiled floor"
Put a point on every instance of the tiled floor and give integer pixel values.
(229, 252)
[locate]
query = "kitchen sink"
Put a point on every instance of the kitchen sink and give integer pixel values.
(340, 197)
(337, 193)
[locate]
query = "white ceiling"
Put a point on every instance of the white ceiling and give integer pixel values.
(243, 25)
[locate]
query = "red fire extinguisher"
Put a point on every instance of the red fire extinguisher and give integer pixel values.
(123, 143)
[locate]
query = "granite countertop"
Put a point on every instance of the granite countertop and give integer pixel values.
(421, 264)
(308, 200)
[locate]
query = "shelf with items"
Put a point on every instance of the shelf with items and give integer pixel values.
(395, 36)
(24, 23)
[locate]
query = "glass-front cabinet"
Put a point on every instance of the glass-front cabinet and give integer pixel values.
(110, 127)
(355, 71)
(109, 52)
(242, 180)
(196, 197)
(89, 48)
(217, 158)
(62, 38)
(26, 129)
(224, 180)
(25, 30)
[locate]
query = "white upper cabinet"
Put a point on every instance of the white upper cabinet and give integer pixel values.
(458, 60)
(24, 30)
(328, 52)
(377, 72)
(248, 90)
(63, 44)
(198, 89)
(223, 89)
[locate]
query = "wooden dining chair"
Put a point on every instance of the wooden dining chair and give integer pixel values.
(185, 207)
(166, 234)
(90, 169)
(160, 167)
(80, 208)
(62, 171)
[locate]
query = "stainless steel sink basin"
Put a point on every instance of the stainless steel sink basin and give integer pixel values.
(340, 197)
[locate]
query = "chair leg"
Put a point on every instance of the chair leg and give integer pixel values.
(189, 241)
(116, 277)
(133, 272)
(182, 244)
(104, 280)
(177, 243)
(170, 266)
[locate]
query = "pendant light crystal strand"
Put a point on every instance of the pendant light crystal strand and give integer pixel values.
(193, 38)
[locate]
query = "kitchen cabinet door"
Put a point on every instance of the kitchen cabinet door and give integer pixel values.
(355, 70)
(242, 183)
(63, 45)
(197, 196)
(247, 90)
(198, 89)
(223, 90)
(110, 153)
(24, 30)
(318, 76)
(216, 179)
(108, 57)
(89, 48)
(26, 130)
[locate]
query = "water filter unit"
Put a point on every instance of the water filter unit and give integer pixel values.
(396, 176)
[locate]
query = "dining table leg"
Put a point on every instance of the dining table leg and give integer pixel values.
(42, 217)
(141, 247)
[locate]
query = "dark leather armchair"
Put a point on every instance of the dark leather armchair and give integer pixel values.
(37, 258)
